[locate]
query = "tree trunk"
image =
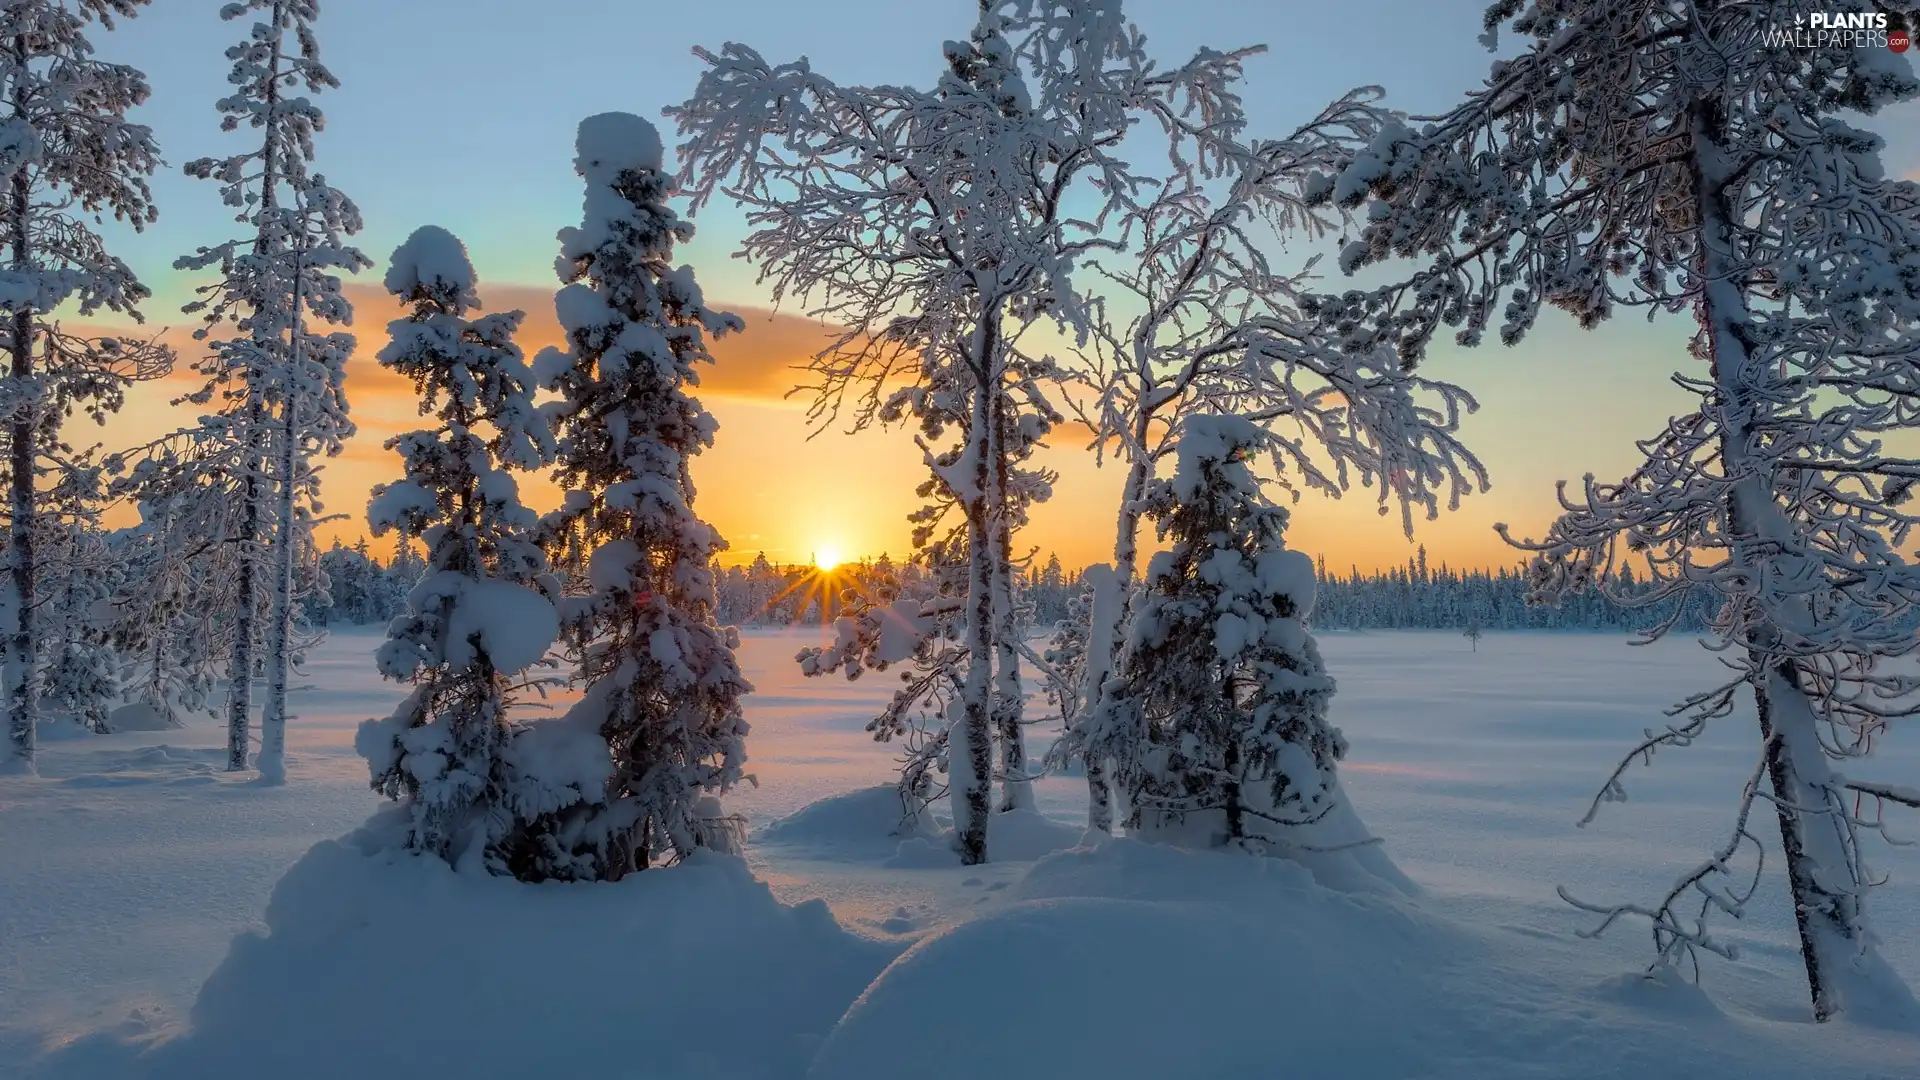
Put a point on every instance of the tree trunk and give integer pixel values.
(21, 689)
(156, 694)
(272, 762)
(1819, 862)
(971, 769)
(1016, 791)
(245, 591)
(1105, 622)
(1230, 792)
(246, 582)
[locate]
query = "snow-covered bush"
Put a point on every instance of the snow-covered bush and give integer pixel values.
(1217, 716)
(483, 613)
(662, 687)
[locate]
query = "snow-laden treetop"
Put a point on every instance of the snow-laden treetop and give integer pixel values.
(611, 142)
(433, 261)
(1209, 441)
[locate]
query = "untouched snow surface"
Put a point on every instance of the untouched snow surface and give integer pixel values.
(128, 868)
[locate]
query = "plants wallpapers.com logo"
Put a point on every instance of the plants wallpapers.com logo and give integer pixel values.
(1843, 30)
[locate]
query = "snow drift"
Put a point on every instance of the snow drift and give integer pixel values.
(1247, 965)
(868, 818)
(399, 965)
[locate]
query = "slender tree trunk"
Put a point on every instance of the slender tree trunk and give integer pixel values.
(971, 768)
(1230, 792)
(245, 593)
(1820, 868)
(22, 684)
(246, 581)
(1109, 614)
(272, 762)
(156, 678)
(22, 690)
(1126, 541)
(63, 657)
(1016, 791)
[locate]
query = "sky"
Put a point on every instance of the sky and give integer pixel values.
(462, 113)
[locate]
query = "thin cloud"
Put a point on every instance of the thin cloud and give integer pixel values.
(758, 364)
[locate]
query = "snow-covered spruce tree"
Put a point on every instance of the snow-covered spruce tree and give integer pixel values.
(932, 225)
(483, 614)
(1677, 156)
(81, 678)
(662, 686)
(279, 384)
(1216, 719)
(1206, 326)
(68, 155)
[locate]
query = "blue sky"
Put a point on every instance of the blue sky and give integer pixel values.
(461, 113)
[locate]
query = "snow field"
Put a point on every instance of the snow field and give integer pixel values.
(127, 870)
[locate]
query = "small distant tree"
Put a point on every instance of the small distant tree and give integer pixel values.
(81, 678)
(1216, 719)
(1472, 633)
(484, 612)
(662, 687)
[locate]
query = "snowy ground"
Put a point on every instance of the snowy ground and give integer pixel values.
(129, 866)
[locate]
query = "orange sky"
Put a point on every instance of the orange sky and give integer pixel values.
(768, 487)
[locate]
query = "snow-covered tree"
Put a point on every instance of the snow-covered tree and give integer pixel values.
(1066, 651)
(174, 610)
(1668, 156)
(81, 679)
(933, 226)
(484, 612)
(1473, 633)
(662, 686)
(280, 384)
(178, 611)
(68, 156)
(1216, 718)
(1199, 322)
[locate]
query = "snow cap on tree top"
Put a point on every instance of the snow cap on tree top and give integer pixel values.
(433, 262)
(1209, 439)
(615, 141)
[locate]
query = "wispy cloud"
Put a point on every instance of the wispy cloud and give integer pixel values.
(758, 364)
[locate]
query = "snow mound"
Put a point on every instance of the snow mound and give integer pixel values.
(611, 142)
(139, 716)
(870, 816)
(397, 963)
(1248, 962)
(435, 260)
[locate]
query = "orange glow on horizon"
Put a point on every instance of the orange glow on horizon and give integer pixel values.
(775, 484)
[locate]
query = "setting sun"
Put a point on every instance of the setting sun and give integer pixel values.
(826, 558)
